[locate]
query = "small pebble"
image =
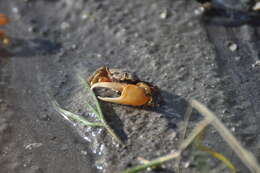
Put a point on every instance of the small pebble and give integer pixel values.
(33, 145)
(65, 25)
(15, 10)
(256, 64)
(84, 16)
(74, 46)
(186, 164)
(61, 52)
(232, 46)
(237, 58)
(199, 11)
(84, 152)
(164, 14)
(32, 29)
(64, 147)
(257, 6)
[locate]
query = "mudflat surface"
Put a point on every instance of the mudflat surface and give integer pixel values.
(55, 41)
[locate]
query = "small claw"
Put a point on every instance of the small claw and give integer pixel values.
(111, 85)
(130, 94)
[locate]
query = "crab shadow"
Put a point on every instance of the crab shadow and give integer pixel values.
(173, 108)
(114, 121)
(21, 48)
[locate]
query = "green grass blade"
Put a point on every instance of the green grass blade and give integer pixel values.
(99, 112)
(219, 156)
(75, 117)
(87, 87)
(89, 106)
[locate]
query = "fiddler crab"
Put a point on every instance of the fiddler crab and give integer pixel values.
(3, 21)
(133, 91)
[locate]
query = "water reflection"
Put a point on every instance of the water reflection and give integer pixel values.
(29, 48)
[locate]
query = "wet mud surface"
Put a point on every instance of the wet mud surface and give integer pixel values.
(55, 41)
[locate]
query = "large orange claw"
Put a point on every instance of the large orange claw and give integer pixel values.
(135, 95)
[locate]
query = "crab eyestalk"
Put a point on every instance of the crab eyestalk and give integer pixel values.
(134, 95)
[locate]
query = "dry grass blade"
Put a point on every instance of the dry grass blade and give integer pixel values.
(187, 116)
(75, 117)
(198, 143)
(210, 118)
(218, 156)
(153, 163)
(95, 109)
(246, 157)
(196, 131)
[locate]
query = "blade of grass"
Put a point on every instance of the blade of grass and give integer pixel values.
(153, 163)
(187, 116)
(75, 117)
(210, 118)
(198, 143)
(87, 87)
(100, 113)
(199, 127)
(218, 156)
(92, 109)
(246, 157)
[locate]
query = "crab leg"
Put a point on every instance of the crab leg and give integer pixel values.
(130, 94)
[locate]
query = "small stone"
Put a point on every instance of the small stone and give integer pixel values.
(45, 117)
(74, 46)
(32, 29)
(61, 52)
(64, 147)
(232, 46)
(164, 14)
(256, 64)
(33, 145)
(15, 10)
(178, 45)
(65, 25)
(257, 6)
(237, 58)
(84, 152)
(186, 164)
(84, 16)
(172, 136)
(199, 11)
